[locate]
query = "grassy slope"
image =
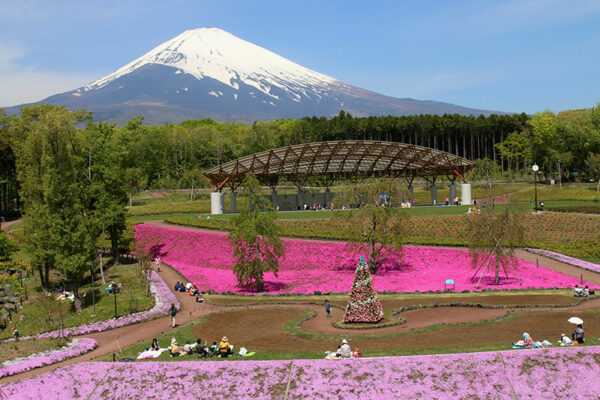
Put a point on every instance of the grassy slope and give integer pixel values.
(24, 348)
(33, 320)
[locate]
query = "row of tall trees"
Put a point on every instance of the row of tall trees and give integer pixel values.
(173, 155)
(72, 186)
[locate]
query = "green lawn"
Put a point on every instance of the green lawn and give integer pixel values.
(23, 348)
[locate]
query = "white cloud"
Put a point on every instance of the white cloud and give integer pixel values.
(27, 84)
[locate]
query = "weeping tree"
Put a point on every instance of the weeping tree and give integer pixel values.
(494, 236)
(255, 238)
(375, 226)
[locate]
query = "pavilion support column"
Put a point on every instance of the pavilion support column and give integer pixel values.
(411, 192)
(452, 193)
(233, 202)
(434, 194)
(217, 203)
(274, 198)
(465, 193)
(328, 198)
(300, 200)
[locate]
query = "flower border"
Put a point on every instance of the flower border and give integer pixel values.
(590, 266)
(73, 349)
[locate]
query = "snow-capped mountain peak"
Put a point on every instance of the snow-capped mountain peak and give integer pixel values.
(217, 54)
(210, 73)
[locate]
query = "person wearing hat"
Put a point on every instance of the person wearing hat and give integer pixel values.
(174, 348)
(565, 341)
(345, 349)
(224, 347)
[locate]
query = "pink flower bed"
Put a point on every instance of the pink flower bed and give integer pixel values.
(206, 259)
(529, 374)
(73, 349)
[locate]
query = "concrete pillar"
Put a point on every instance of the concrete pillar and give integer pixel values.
(328, 198)
(452, 193)
(217, 203)
(434, 194)
(411, 192)
(274, 198)
(465, 190)
(233, 202)
(300, 200)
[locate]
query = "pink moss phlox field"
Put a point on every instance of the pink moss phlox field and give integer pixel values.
(163, 297)
(73, 349)
(206, 259)
(531, 374)
(566, 259)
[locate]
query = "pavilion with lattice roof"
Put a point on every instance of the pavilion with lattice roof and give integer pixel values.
(341, 159)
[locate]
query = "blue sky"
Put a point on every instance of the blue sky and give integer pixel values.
(511, 55)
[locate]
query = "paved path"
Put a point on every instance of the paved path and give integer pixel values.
(7, 225)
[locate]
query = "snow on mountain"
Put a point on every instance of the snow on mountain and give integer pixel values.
(210, 73)
(217, 54)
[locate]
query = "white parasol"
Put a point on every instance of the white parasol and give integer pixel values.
(575, 320)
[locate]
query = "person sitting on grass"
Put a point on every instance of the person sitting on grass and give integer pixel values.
(578, 335)
(201, 348)
(188, 348)
(174, 349)
(199, 298)
(154, 345)
(527, 342)
(112, 288)
(345, 349)
(565, 341)
(213, 349)
(577, 291)
(224, 347)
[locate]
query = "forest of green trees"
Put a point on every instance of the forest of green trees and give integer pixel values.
(73, 177)
(565, 146)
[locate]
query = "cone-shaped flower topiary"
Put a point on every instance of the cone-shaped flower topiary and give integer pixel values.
(363, 305)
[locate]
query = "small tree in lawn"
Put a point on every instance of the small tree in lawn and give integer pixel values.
(255, 239)
(363, 305)
(494, 236)
(376, 226)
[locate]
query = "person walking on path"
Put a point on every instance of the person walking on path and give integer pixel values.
(173, 312)
(328, 308)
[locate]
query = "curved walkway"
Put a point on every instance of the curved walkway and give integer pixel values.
(111, 341)
(7, 225)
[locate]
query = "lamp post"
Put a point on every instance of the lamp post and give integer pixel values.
(115, 296)
(535, 169)
(93, 290)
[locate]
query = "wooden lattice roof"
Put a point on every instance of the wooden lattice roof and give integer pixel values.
(340, 160)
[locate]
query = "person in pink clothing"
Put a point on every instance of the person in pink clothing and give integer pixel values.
(528, 340)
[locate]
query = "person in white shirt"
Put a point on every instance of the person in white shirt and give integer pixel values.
(345, 349)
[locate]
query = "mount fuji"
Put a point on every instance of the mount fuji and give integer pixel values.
(210, 73)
